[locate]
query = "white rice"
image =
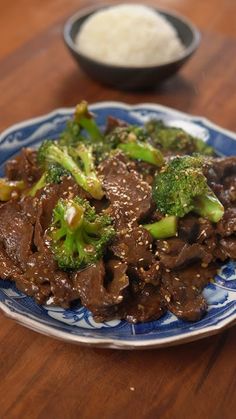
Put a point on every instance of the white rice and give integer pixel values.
(129, 35)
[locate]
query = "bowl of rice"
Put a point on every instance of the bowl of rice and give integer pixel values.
(130, 46)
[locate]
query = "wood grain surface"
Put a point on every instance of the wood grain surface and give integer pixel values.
(44, 378)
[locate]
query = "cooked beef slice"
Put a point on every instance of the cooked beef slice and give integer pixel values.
(16, 232)
(227, 225)
(134, 247)
(130, 197)
(101, 298)
(145, 305)
(8, 269)
(113, 123)
(182, 290)
(23, 167)
(223, 167)
(44, 281)
(130, 201)
(29, 206)
(174, 253)
(187, 255)
(150, 275)
(230, 188)
(228, 247)
(188, 228)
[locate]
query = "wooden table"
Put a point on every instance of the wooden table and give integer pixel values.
(45, 378)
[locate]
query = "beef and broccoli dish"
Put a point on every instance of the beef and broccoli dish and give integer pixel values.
(130, 221)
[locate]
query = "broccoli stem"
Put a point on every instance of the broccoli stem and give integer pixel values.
(89, 183)
(38, 185)
(166, 227)
(209, 207)
(142, 151)
(85, 120)
(7, 187)
(92, 129)
(85, 154)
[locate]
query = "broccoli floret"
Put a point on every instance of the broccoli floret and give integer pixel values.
(166, 227)
(81, 128)
(176, 139)
(181, 187)
(83, 172)
(9, 187)
(134, 143)
(55, 173)
(78, 236)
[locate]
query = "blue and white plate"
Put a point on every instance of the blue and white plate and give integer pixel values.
(77, 324)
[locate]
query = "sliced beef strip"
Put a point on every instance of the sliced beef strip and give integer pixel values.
(206, 230)
(8, 269)
(118, 277)
(190, 309)
(182, 291)
(129, 196)
(134, 247)
(228, 247)
(230, 187)
(29, 206)
(12, 168)
(145, 305)
(175, 253)
(224, 167)
(150, 275)
(220, 173)
(130, 201)
(40, 292)
(16, 232)
(193, 229)
(227, 225)
(46, 283)
(24, 167)
(113, 123)
(189, 253)
(188, 228)
(102, 300)
(139, 304)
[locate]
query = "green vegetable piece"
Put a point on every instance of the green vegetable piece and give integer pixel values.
(209, 207)
(86, 177)
(142, 151)
(8, 187)
(53, 174)
(83, 120)
(181, 187)
(41, 183)
(134, 143)
(78, 236)
(163, 229)
(176, 139)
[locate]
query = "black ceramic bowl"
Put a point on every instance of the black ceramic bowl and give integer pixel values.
(131, 77)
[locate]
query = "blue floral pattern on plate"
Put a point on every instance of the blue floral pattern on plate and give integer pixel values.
(226, 276)
(77, 324)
